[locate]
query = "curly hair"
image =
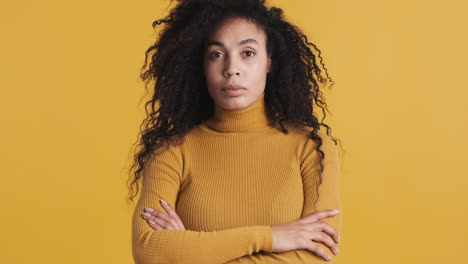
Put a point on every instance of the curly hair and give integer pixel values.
(292, 90)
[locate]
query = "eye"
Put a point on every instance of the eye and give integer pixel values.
(215, 54)
(249, 52)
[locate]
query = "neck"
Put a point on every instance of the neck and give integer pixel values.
(252, 117)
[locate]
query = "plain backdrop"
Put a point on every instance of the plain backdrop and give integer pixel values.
(70, 111)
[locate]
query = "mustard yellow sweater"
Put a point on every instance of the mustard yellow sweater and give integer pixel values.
(233, 177)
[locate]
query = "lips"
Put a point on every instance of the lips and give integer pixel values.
(234, 90)
(233, 87)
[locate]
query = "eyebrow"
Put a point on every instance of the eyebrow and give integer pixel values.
(243, 42)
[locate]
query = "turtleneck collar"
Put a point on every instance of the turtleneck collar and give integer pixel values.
(252, 117)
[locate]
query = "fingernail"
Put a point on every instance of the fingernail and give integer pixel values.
(328, 258)
(164, 202)
(151, 222)
(335, 211)
(149, 210)
(146, 215)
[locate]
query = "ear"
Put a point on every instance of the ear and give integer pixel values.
(269, 64)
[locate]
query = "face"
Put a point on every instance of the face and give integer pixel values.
(236, 56)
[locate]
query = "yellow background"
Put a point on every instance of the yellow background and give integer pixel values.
(70, 112)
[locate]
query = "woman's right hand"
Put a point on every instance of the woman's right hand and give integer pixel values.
(302, 233)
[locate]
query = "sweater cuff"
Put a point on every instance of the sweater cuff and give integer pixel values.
(264, 235)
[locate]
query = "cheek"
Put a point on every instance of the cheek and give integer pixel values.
(260, 66)
(209, 69)
(208, 74)
(260, 71)
(212, 73)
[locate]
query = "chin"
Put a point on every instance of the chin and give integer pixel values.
(234, 102)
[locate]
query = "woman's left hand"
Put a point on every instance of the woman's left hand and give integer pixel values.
(161, 221)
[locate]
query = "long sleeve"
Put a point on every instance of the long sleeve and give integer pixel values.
(329, 198)
(328, 190)
(162, 178)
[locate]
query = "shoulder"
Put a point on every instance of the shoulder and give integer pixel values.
(322, 133)
(310, 145)
(169, 151)
(304, 132)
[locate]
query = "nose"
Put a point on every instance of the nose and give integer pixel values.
(231, 67)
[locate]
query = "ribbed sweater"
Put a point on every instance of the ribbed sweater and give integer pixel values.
(232, 178)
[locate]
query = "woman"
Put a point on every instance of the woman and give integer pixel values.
(233, 147)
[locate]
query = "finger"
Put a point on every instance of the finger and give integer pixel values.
(325, 239)
(154, 215)
(315, 216)
(325, 227)
(174, 217)
(314, 247)
(160, 215)
(172, 213)
(154, 225)
(163, 224)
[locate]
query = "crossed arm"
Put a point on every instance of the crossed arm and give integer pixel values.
(248, 240)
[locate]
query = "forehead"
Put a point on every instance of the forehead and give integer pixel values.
(237, 31)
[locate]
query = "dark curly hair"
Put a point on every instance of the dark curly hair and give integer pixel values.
(176, 66)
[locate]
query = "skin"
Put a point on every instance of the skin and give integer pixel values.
(162, 221)
(293, 235)
(236, 54)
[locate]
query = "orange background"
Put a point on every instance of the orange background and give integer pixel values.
(70, 112)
